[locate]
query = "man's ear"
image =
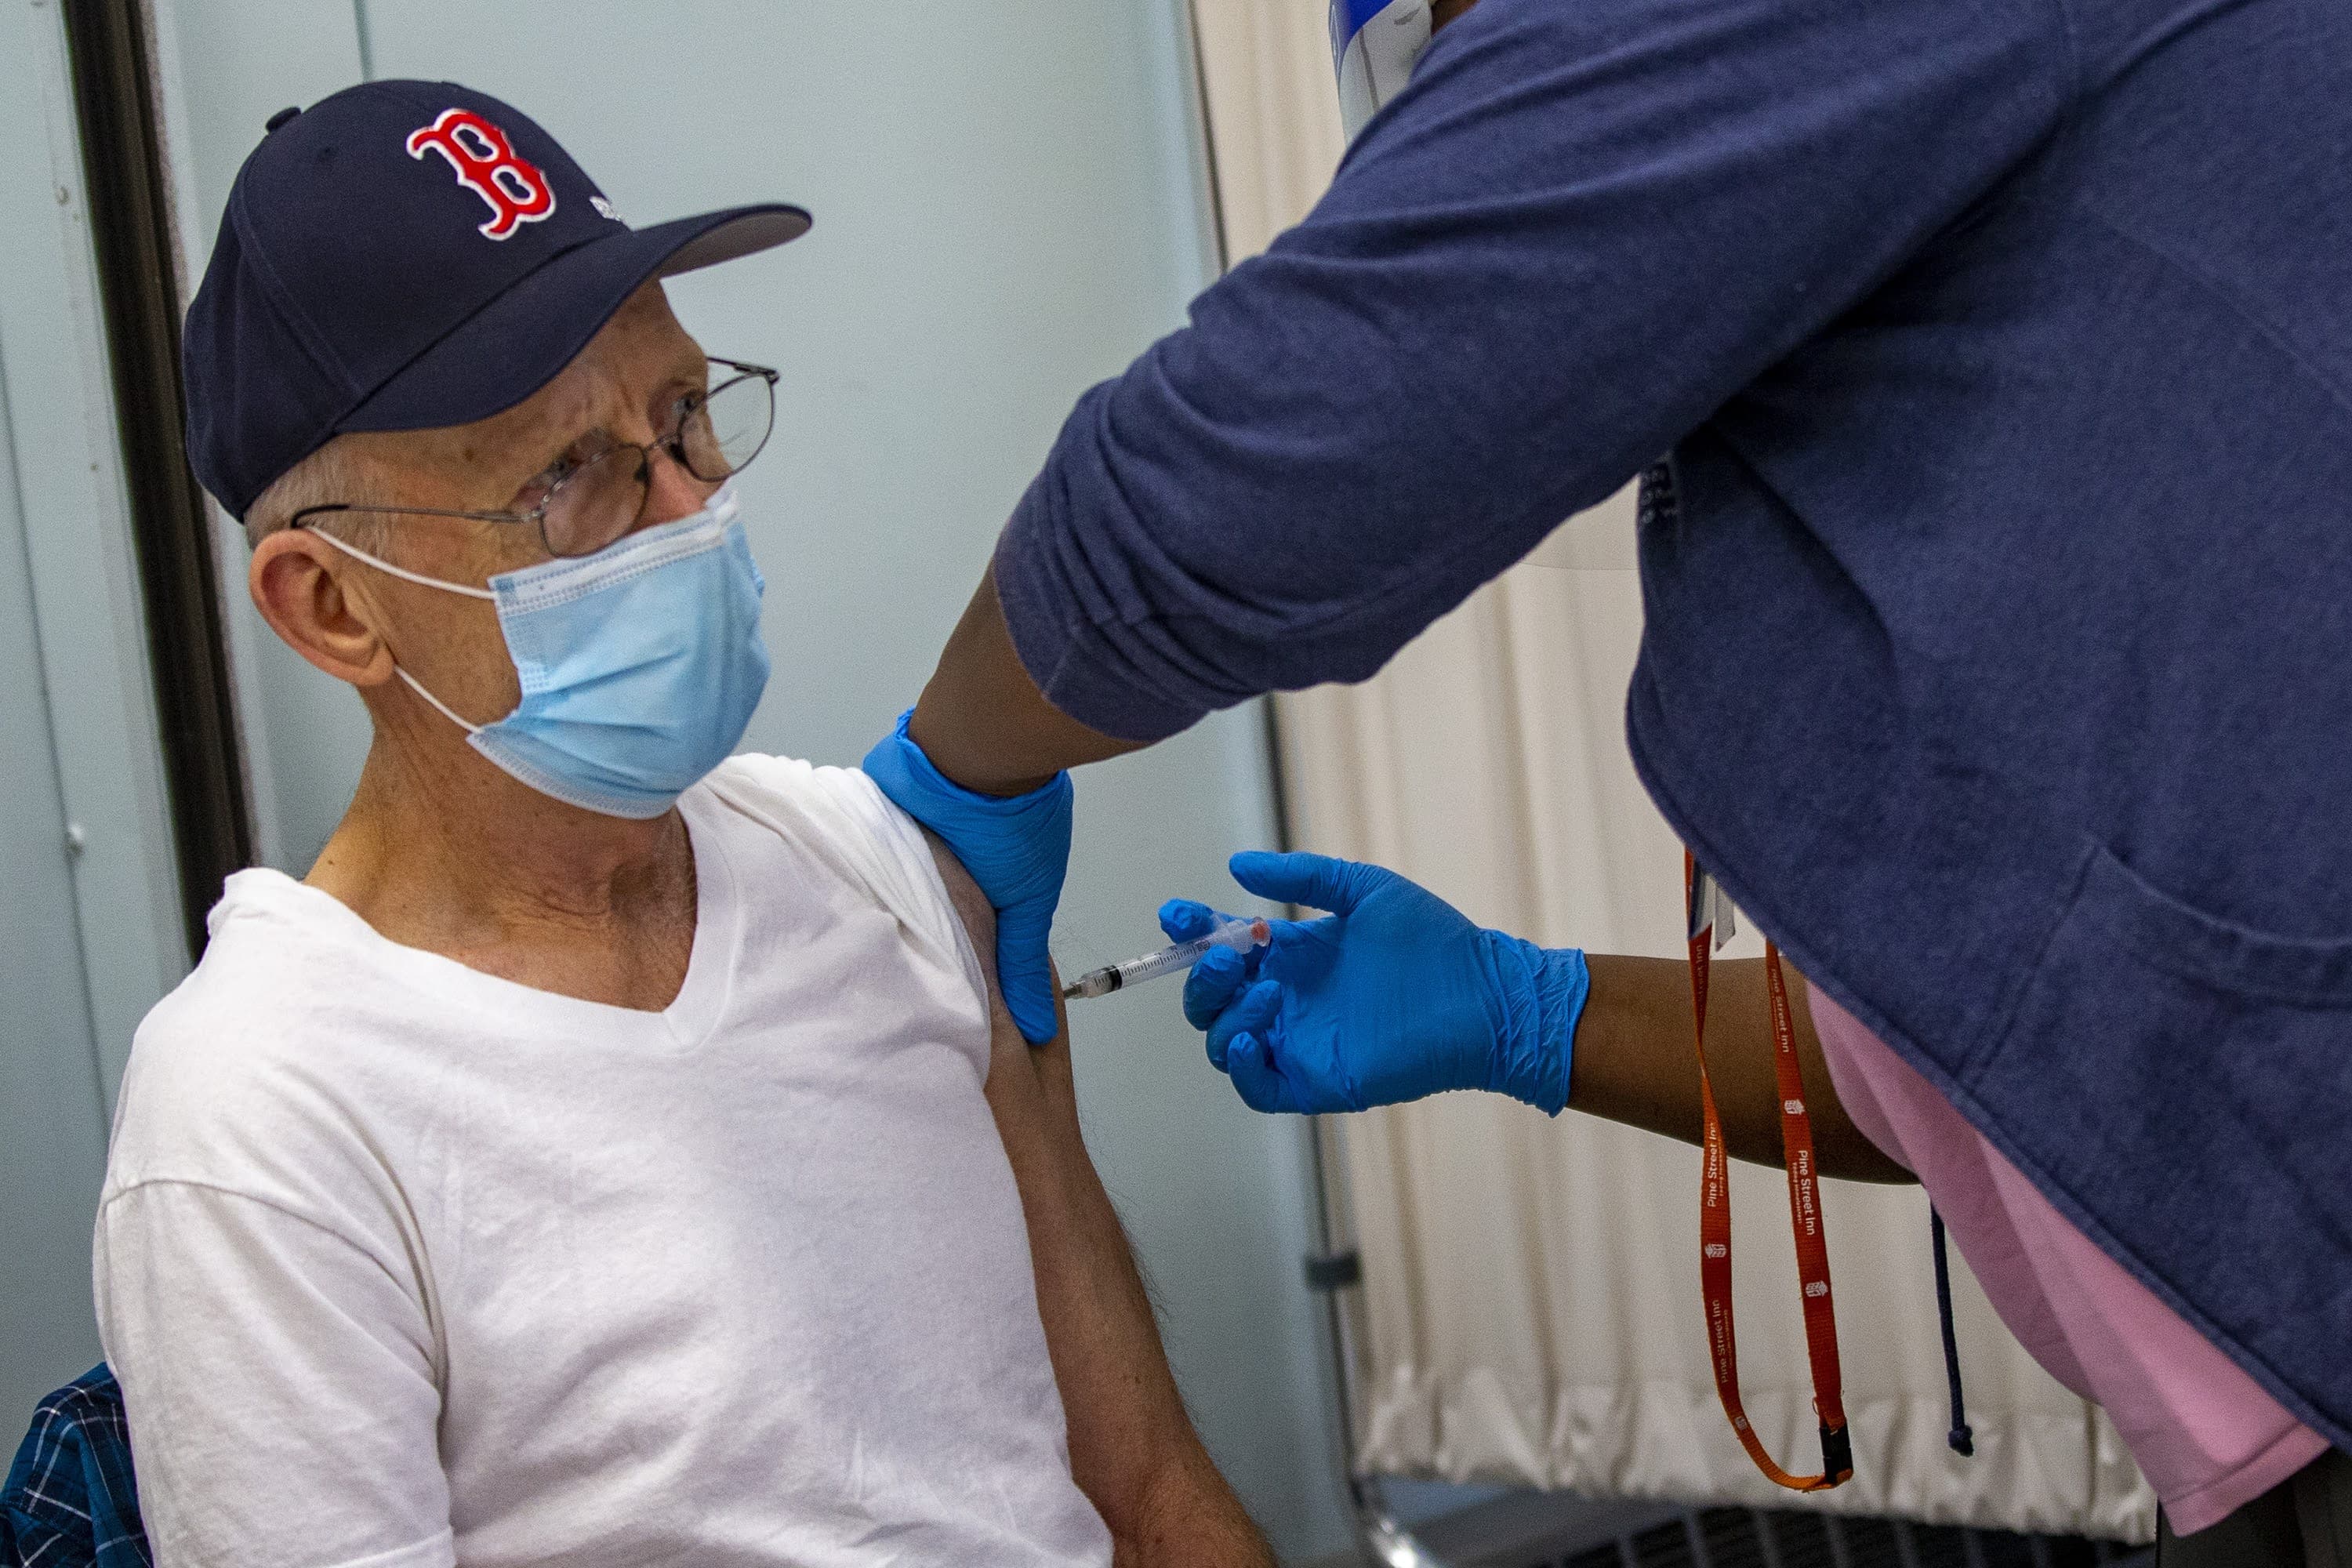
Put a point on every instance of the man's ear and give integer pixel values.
(297, 585)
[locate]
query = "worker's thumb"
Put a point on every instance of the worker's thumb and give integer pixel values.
(1314, 881)
(1253, 1013)
(1258, 1079)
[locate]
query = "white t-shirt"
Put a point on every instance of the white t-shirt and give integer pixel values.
(401, 1264)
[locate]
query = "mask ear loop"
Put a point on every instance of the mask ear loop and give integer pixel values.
(356, 554)
(418, 686)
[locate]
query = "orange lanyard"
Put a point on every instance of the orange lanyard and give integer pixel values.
(1804, 1213)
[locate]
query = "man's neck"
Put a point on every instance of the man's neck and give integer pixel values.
(445, 853)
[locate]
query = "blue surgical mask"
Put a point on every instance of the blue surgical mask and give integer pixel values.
(640, 664)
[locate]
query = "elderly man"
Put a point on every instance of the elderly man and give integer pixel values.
(612, 1152)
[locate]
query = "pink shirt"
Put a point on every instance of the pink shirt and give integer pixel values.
(2206, 1435)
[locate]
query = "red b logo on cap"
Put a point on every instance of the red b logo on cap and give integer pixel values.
(487, 165)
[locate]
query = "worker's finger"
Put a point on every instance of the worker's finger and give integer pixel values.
(1025, 971)
(1259, 1083)
(1253, 1013)
(1215, 982)
(1318, 881)
(1183, 920)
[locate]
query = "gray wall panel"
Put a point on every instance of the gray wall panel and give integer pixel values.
(89, 937)
(52, 1125)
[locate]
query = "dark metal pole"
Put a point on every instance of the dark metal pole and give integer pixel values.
(130, 234)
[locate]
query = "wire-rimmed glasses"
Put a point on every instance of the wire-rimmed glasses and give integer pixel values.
(591, 503)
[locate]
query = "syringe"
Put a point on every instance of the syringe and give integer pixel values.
(1241, 935)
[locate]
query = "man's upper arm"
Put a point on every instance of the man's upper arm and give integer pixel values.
(1029, 1088)
(279, 1385)
(1132, 1448)
(971, 907)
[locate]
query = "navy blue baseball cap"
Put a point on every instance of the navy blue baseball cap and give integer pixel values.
(405, 255)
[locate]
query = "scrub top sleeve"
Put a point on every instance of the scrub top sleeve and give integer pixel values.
(1583, 226)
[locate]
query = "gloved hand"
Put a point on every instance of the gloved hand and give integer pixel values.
(1394, 996)
(1018, 849)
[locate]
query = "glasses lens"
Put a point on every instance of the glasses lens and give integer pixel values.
(726, 429)
(595, 503)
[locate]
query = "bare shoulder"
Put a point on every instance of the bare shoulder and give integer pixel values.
(971, 904)
(972, 907)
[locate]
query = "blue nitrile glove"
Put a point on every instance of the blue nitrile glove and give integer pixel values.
(1017, 848)
(1394, 996)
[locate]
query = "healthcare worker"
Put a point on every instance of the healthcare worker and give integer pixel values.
(1998, 658)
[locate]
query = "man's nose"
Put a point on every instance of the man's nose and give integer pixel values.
(672, 492)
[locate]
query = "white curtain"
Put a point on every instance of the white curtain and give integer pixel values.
(1531, 1310)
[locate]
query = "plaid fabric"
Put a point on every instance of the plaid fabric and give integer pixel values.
(71, 1501)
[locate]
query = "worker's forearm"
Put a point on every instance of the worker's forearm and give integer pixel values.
(1633, 1062)
(983, 722)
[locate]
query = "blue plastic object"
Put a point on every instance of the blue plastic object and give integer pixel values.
(1018, 849)
(1374, 44)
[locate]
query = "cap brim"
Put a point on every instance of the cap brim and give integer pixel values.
(520, 341)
